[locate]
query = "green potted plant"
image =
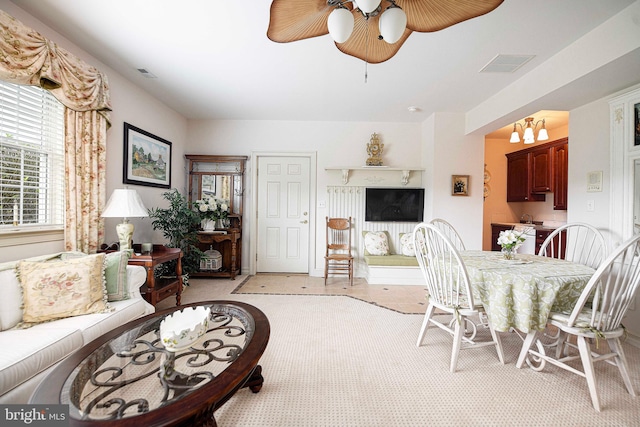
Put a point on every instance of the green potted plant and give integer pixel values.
(179, 225)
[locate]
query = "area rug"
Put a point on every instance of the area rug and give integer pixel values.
(338, 361)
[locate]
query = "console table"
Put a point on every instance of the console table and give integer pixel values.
(229, 245)
(128, 378)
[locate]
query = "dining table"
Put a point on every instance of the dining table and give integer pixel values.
(520, 293)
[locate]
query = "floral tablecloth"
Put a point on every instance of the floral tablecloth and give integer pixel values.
(520, 293)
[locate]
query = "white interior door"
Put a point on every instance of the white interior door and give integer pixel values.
(283, 215)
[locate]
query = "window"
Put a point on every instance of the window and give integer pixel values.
(31, 159)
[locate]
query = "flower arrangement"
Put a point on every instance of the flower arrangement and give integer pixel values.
(212, 208)
(510, 241)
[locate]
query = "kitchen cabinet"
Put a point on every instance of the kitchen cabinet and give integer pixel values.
(560, 161)
(519, 179)
(534, 171)
(541, 177)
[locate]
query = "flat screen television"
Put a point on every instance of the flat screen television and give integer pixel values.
(394, 204)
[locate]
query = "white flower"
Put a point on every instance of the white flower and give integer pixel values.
(211, 208)
(511, 239)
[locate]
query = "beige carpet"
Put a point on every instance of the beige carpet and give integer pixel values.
(338, 361)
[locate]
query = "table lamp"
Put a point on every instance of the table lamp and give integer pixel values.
(125, 203)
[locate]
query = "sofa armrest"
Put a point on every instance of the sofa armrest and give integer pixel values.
(136, 277)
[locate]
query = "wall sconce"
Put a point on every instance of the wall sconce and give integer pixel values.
(529, 130)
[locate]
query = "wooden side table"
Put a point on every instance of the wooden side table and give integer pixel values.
(155, 290)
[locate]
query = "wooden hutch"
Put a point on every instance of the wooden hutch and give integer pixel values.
(221, 177)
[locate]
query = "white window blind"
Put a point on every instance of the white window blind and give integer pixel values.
(31, 158)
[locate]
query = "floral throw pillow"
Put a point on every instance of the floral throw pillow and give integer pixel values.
(376, 243)
(406, 241)
(58, 289)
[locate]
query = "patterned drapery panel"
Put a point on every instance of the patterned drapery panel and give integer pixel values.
(26, 57)
(85, 171)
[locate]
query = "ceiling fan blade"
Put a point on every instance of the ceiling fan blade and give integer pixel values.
(364, 43)
(433, 15)
(292, 20)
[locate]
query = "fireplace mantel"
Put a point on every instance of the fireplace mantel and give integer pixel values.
(378, 175)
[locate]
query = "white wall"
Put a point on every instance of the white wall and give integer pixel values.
(132, 105)
(336, 144)
(448, 151)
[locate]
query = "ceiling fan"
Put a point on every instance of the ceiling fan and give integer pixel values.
(371, 30)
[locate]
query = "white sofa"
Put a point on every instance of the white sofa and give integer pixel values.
(28, 355)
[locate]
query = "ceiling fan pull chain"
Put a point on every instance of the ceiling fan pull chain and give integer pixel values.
(366, 50)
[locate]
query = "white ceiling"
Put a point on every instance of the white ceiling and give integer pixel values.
(213, 60)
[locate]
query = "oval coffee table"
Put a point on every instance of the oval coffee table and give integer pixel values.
(127, 377)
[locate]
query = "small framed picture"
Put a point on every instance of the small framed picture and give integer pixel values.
(459, 185)
(147, 158)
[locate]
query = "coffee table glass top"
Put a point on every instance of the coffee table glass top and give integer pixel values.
(133, 373)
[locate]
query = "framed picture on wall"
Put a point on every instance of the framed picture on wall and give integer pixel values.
(147, 158)
(459, 185)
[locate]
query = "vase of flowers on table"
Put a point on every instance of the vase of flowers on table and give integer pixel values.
(510, 241)
(213, 212)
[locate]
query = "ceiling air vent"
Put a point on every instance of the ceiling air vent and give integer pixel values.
(506, 63)
(146, 73)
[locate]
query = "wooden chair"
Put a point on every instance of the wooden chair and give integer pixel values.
(338, 258)
(597, 318)
(450, 232)
(575, 242)
(449, 290)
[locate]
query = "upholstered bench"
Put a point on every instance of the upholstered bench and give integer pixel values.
(392, 270)
(385, 268)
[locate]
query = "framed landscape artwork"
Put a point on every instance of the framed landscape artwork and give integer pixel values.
(147, 158)
(459, 185)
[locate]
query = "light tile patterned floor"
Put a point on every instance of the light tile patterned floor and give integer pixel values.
(402, 298)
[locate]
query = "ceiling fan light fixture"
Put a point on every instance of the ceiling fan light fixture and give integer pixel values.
(368, 6)
(392, 24)
(292, 20)
(340, 24)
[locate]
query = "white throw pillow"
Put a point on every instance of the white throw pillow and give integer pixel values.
(376, 243)
(406, 241)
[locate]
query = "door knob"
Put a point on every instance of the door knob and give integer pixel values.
(304, 222)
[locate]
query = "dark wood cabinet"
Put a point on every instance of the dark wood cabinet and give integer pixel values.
(560, 161)
(534, 171)
(519, 178)
(541, 177)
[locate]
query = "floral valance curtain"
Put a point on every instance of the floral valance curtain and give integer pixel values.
(26, 57)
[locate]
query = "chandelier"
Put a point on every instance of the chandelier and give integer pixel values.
(371, 30)
(528, 130)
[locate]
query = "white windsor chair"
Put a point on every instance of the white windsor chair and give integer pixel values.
(577, 242)
(597, 316)
(449, 290)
